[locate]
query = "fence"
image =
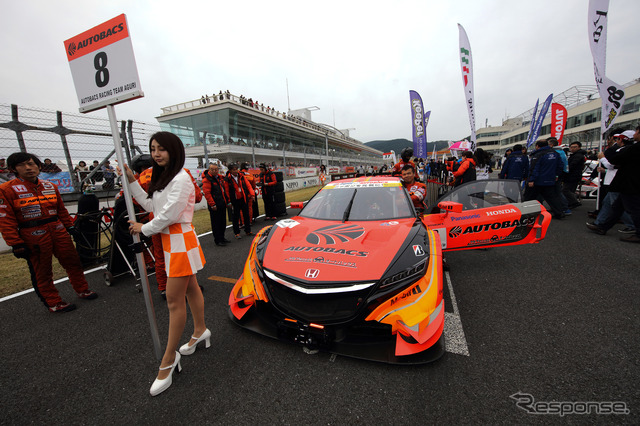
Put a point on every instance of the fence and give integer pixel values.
(68, 138)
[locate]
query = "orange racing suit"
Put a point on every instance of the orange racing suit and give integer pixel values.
(34, 215)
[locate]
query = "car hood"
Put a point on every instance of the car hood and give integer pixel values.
(314, 250)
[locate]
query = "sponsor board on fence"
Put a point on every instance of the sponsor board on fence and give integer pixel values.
(306, 171)
(295, 184)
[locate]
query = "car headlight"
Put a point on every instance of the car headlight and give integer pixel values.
(409, 275)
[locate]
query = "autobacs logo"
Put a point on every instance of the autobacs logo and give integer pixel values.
(333, 233)
(455, 232)
(95, 38)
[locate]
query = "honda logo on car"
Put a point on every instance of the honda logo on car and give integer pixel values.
(496, 225)
(499, 212)
(311, 273)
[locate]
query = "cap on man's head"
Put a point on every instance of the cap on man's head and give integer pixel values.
(627, 134)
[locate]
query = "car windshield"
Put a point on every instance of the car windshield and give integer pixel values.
(480, 194)
(371, 201)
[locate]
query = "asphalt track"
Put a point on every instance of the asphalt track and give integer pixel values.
(558, 320)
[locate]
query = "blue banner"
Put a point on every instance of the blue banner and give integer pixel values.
(539, 120)
(61, 179)
(419, 128)
(533, 122)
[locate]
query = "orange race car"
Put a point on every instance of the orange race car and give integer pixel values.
(359, 273)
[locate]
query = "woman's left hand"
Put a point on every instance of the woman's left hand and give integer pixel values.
(135, 227)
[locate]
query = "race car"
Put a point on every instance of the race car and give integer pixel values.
(359, 273)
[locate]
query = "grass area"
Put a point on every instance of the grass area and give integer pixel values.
(14, 273)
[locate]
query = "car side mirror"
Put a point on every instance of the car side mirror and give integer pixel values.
(450, 206)
(297, 204)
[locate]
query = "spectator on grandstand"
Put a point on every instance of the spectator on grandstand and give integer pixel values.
(516, 166)
(624, 191)
(49, 167)
(573, 178)
(109, 174)
(3, 166)
(97, 176)
(81, 167)
(544, 170)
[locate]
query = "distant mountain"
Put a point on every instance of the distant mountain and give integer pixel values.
(397, 145)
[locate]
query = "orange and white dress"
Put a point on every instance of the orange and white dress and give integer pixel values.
(172, 216)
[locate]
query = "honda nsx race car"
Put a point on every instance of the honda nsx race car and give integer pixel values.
(359, 273)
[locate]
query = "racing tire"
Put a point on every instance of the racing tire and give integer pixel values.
(279, 187)
(280, 197)
(280, 209)
(279, 176)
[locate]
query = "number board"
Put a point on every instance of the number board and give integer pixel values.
(103, 66)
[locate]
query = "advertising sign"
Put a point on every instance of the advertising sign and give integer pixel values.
(103, 65)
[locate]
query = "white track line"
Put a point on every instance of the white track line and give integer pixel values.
(455, 341)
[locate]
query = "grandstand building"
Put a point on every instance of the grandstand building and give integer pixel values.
(234, 129)
(584, 108)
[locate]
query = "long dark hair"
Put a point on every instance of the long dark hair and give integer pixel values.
(161, 176)
(481, 157)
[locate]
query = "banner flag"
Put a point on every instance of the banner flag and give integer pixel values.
(539, 119)
(612, 94)
(558, 121)
(419, 126)
(533, 122)
(466, 64)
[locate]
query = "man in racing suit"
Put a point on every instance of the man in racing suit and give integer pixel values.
(405, 159)
(253, 207)
(215, 191)
(36, 224)
(268, 182)
(417, 190)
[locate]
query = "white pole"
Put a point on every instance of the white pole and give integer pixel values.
(142, 270)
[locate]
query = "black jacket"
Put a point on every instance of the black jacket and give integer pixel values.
(576, 166)
(627, 160)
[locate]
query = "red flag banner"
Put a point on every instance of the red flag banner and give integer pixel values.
(558, 121)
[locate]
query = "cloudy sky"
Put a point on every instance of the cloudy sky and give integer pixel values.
(355, 60)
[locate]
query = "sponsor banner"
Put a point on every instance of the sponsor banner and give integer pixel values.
(418, 125)
(558, 121)
(533, 122)
(305, 171)
(539, 119)
(61, 179)
(349, 169)
(332, 170)
(466, 64)
(611, 93)
(300, 183)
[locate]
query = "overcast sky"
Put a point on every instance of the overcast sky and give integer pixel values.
(355, 60)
